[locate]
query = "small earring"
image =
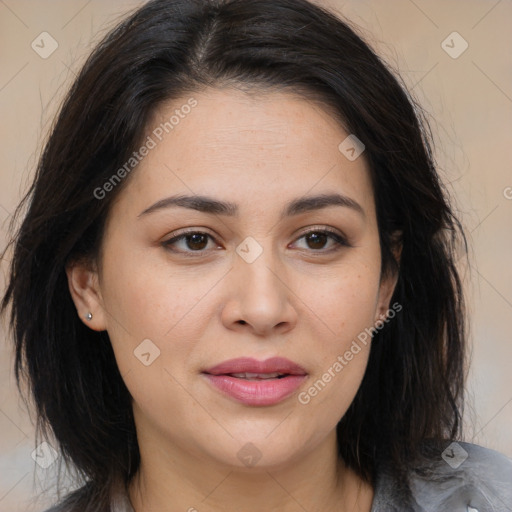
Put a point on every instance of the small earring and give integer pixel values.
(89, 316)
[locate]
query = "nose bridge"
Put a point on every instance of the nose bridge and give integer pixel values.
(262, 298)
(257, 263)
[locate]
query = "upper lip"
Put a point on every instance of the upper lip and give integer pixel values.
(249, 365)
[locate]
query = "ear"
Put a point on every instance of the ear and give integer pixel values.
(85, 291)
(389, 280)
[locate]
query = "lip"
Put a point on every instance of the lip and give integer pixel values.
(256, 392)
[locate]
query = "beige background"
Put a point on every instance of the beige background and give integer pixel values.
(469, 100)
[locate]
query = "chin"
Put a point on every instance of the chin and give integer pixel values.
(257, 453)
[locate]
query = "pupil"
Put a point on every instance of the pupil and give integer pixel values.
(317, 238)
(196, 238)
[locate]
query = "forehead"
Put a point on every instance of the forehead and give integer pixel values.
(253, 146)
(230, 119)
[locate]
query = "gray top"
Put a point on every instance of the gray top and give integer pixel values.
(464, 478)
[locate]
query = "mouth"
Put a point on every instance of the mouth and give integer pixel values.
(256, 383)
(258, 376)
(246, 367)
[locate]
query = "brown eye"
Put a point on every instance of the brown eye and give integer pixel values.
(196, 241)
(187, 243)
(316, 240)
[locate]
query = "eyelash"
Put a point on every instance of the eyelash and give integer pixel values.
(333, 235)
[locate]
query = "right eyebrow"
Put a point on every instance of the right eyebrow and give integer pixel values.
(214, 206)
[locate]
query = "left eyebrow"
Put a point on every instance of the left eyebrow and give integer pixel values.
(213, 206)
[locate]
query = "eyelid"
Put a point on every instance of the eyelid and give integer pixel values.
(338, 237)
(321, 228)
(190, 231)
(180, 234)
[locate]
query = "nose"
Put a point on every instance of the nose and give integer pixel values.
(260, 297)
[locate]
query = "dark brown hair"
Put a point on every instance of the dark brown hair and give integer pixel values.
(413, 386)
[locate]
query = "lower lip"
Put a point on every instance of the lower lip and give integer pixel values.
(257, 392)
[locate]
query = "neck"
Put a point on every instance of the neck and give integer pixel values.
(171, 479)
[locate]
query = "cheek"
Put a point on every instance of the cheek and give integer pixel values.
(344, 300)
(154, 318)
(346, 303)
(145, 301)
(151, 297)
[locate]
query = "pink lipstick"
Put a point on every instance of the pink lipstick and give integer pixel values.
(254, 382)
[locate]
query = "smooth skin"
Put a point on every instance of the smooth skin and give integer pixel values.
(305, 298)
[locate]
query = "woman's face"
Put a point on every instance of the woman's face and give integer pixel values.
(251, 283)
